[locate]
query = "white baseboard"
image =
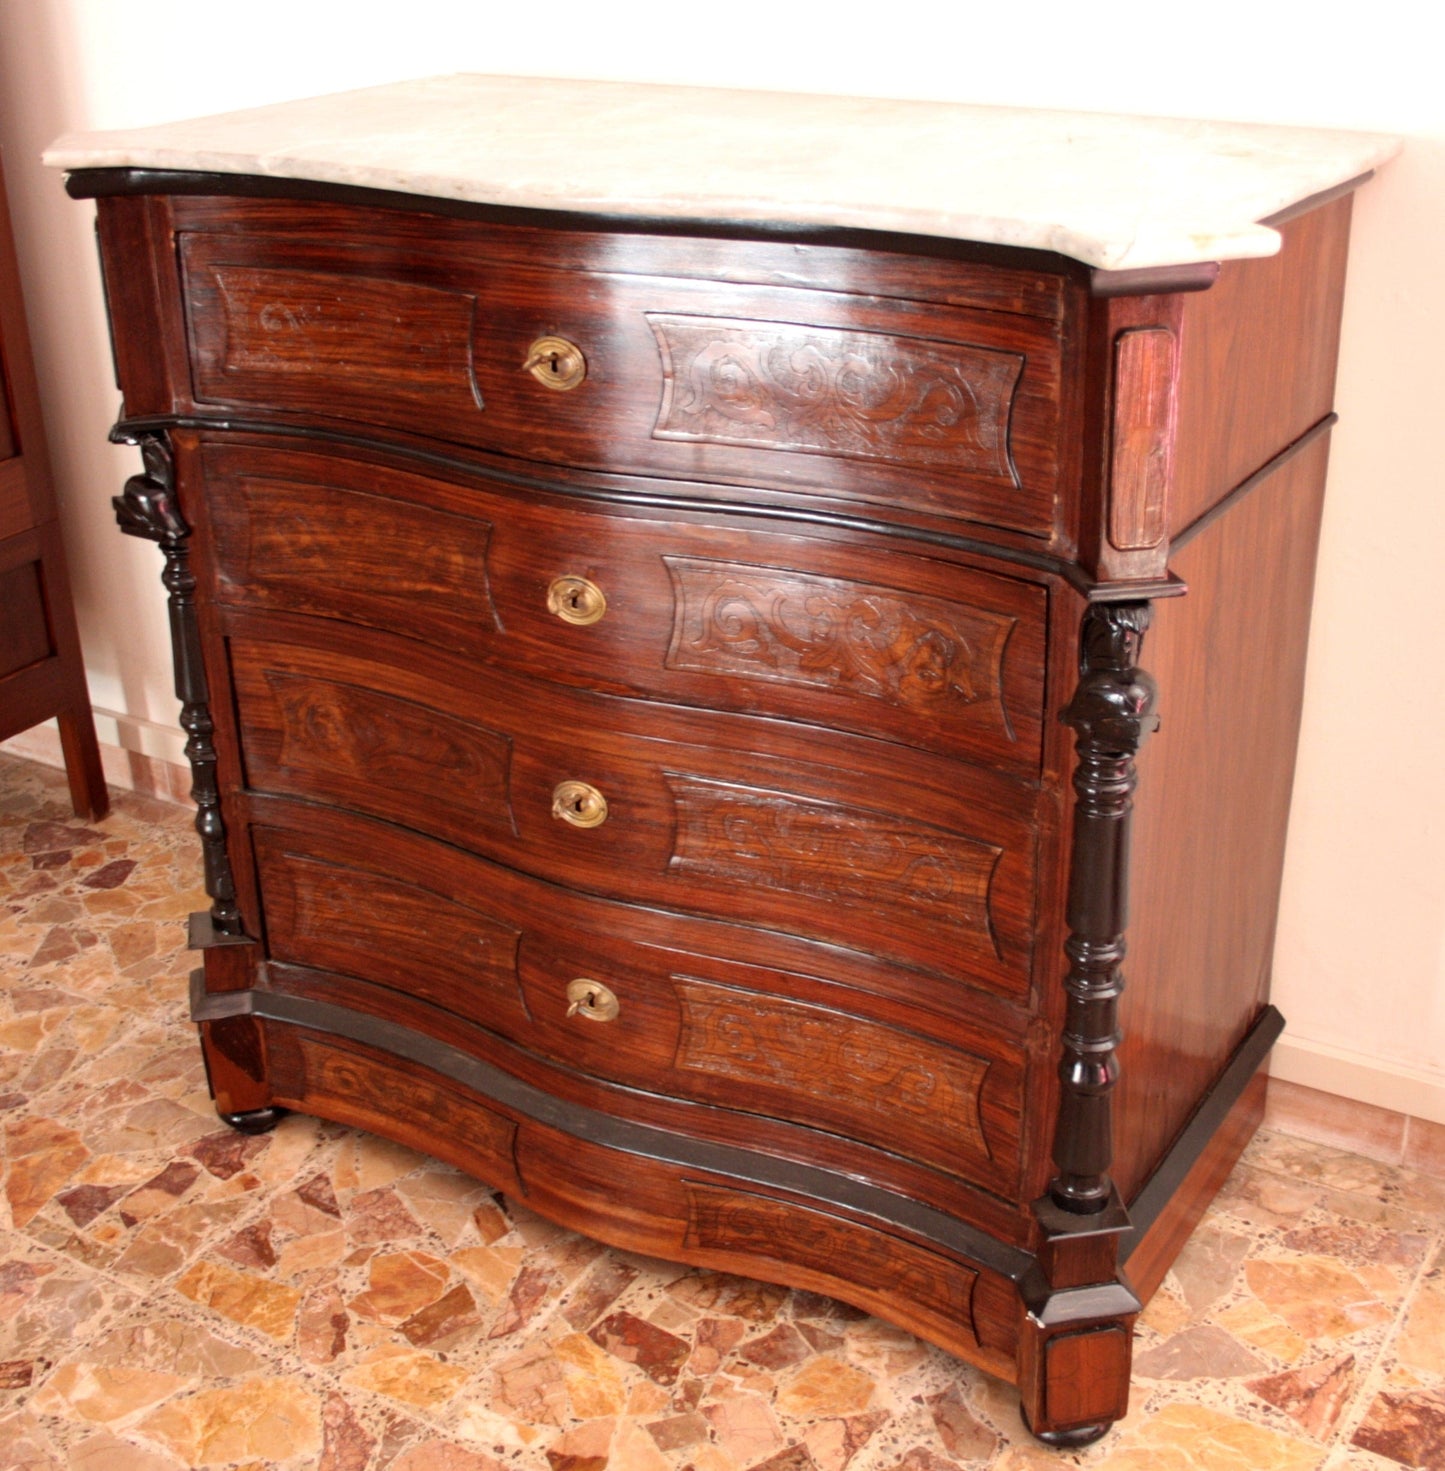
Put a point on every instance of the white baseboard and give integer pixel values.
(1337, 1070)
(145, 737)
(136, 754)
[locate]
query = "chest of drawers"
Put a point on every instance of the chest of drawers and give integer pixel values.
(664, 698)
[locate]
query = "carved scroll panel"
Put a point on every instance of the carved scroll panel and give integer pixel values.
(922, 654)
(346, 734)
(824, 390)
(376, 1092)
(307, 547)
(1142, 452)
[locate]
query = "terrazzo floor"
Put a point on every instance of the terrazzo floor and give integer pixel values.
(174, 1295)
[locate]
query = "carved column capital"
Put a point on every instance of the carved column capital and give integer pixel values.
(1113, 706)
(147, 506)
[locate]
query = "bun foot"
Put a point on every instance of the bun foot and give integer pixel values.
(1072, 1439)
(255, 1121)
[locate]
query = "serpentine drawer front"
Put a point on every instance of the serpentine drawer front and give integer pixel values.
(695, 813)
(763, 1040)
(663, 672)
(884, 641)
(948, 405)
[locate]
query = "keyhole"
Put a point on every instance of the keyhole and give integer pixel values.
(575, 600)
(580, 805)
(591, 1000)
(556, 363)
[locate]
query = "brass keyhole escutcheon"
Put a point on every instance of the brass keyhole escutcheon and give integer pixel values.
(575, 600)
(591, 999)
(579, 804)
(556, 363)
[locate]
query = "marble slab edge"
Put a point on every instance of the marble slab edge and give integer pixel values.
(1115, 192)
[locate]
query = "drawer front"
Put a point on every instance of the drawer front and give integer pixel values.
(26, 639)
(705, 814)
(403, 914)
(913, 650)
(947, 410)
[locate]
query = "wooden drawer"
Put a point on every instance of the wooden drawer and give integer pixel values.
(796, 1047)
(929, 865)
(671, 1208)
(951, 409)
(914, 650)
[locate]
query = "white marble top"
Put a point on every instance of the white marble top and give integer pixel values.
(1116, 192)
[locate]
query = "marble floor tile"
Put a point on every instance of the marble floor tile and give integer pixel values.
(175, 1295)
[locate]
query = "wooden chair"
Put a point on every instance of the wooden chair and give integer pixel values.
(41, 672)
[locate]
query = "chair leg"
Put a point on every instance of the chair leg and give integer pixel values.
(88, 794)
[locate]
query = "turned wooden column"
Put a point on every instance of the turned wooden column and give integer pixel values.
(1111, 714)
(148, 508)
(1076, 1339)
(233, 1045)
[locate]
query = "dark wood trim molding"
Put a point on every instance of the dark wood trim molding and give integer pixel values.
(1152, 1200)
(1314, 201)
(1275, 462)
(612, 1133)
(107, 183)
(1154, 280)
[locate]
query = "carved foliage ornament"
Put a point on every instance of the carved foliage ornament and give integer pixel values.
(147, 506)
(919, 653)
(821, 390)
